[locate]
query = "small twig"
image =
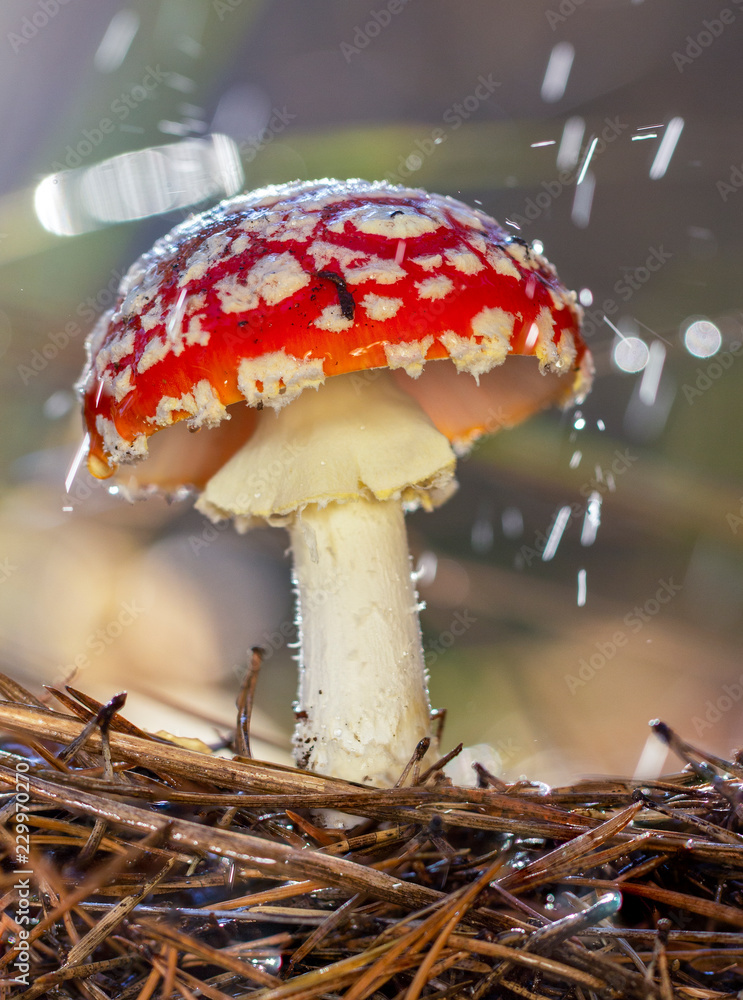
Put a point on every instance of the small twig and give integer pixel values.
(486, 779)
(245, 703)
(103, 720)
(440, 763)
(438, 716)
(660, 961)
(418, 754)
(332, 922)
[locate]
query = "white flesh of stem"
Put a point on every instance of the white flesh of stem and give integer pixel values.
(363, 699)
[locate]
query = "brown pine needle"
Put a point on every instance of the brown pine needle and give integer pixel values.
(245, 703)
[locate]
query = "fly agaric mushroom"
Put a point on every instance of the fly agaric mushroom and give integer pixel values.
(347, 289)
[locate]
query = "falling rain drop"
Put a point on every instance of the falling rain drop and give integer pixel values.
(666, 148)
(648, 391)
(173, 323)
(512, 522)
(116, 41)
(583, 199)
(589, 156)
(568, 152)
(592, 519)
(426, 568)
(75, 465)
(532, 337)
(58, 404)
(575, 459)
(581, 588)
(555, 535)
(557, 72)
(482, 534)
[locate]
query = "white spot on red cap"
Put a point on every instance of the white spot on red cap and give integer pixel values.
(152, 318)
(208, 253)
(196, 332)
(155, 351)
(490, 345)
(385, 272)
(381, 307)
(123, 384)
(477, 242)
(240, 245)
(464, 260)
(118, 448)
(140, 284)
(553, 357)
(297, 227)
(121, 348)
(531, 258)
(114, 352)
(276, 378)
(325, 253)
(428, 262)
(332, 320)
(494, 324)
(203, 406)
(465, 216)
(392, 220)
(437, 287)
(411, 356)
(501, 263)
(274, 278)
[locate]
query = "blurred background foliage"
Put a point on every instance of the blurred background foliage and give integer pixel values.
(120, 118)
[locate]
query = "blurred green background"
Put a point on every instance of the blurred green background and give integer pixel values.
(121, 118)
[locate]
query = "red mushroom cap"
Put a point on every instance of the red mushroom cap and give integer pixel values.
(271, 292)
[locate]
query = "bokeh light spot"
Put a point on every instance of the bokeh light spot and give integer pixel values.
(630, 354)
(702, 338)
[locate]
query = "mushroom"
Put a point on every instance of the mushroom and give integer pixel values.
(367, 325)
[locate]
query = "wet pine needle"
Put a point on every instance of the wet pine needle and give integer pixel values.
(135, 868)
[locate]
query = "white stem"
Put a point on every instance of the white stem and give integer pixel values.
(363, 700)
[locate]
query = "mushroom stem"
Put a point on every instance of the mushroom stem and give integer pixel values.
(363, 693)
(338, 467)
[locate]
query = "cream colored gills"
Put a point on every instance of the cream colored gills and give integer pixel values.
(338, 466)
(356, 437)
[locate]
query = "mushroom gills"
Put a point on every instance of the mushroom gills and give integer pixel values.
(358, 436)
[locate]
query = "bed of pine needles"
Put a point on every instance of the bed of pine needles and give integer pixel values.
(136, 868)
